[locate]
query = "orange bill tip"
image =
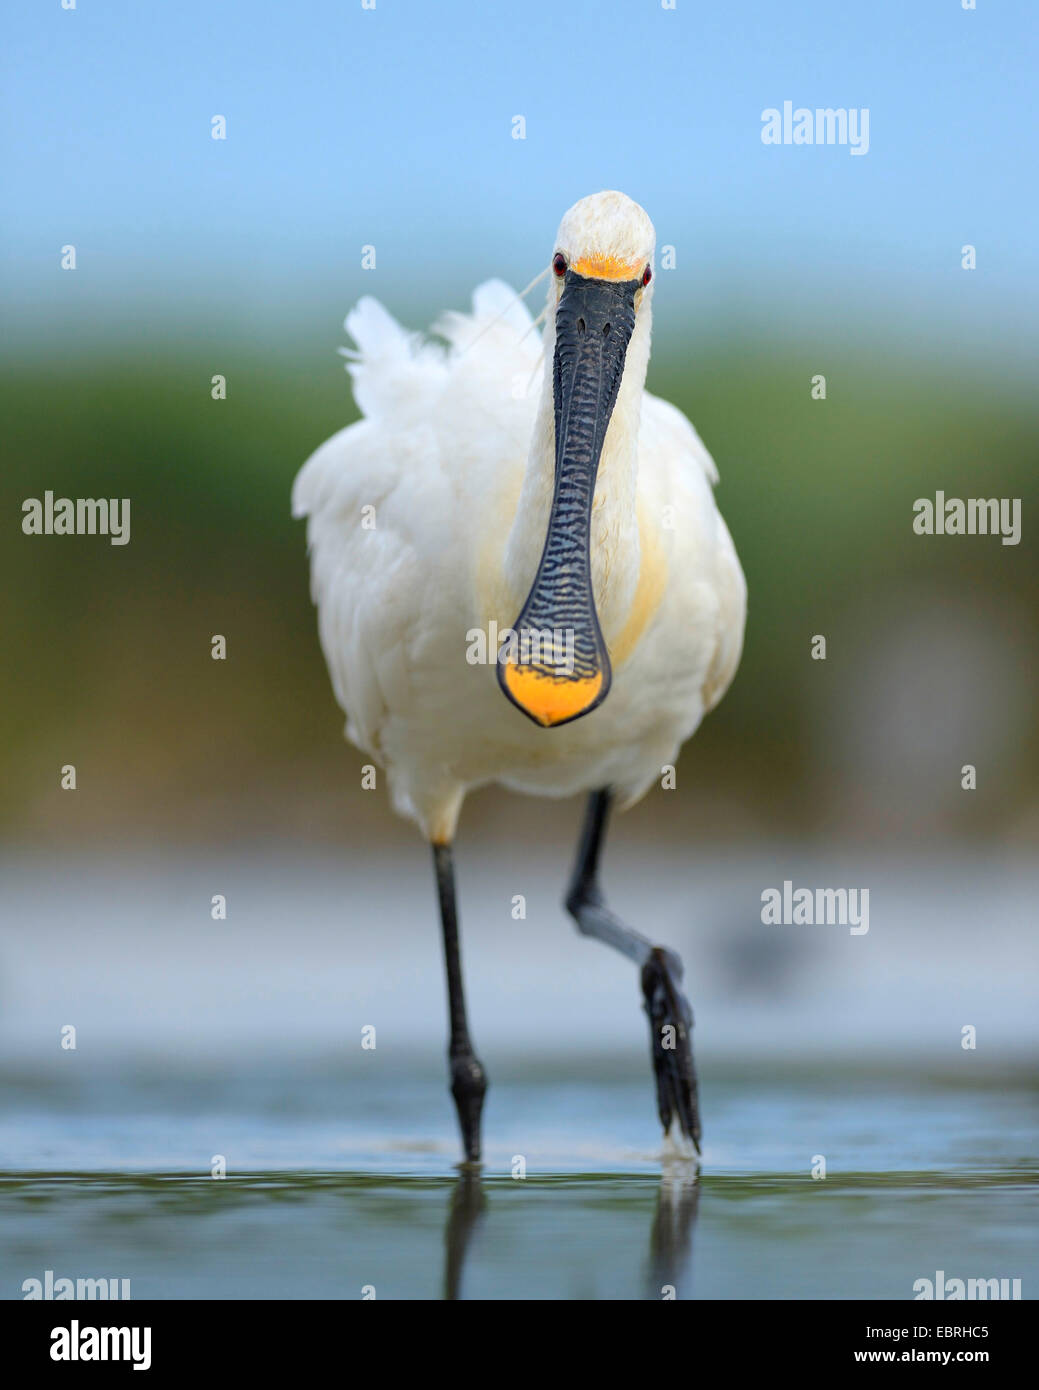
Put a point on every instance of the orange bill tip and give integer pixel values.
(551, 700)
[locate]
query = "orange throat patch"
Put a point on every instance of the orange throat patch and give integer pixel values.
(602, 267)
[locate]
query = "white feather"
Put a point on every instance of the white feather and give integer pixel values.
(454, 459)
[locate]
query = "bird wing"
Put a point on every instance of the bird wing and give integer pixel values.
(686, 476)
(667, 431)
(387, 499)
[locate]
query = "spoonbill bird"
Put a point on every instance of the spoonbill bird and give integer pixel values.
(522, 578)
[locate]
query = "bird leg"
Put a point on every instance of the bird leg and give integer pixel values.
(468, 1079)
(670, 1017)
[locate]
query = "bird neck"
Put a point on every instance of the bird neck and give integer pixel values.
(614, 540)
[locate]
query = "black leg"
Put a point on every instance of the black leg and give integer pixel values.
(670, 1017)
(468, 1081)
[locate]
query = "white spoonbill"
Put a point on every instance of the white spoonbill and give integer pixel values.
(528, 492)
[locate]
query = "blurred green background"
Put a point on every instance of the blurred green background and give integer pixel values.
(108, 648)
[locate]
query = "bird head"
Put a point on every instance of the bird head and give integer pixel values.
(558, 669)
(606, 239)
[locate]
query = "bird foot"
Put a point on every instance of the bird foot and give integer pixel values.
(678, 1154)
(671, 1027)
(468, 1087)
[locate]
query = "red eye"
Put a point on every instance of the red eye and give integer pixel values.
(559, 263)
(647, 275)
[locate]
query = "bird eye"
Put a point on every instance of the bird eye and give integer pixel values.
(559, 263)
(647, 275)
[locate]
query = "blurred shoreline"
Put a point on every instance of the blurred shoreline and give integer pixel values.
(316, 946)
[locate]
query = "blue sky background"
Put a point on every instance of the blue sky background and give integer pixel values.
(393, 127)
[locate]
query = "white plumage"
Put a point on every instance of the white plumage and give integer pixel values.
(455, 458)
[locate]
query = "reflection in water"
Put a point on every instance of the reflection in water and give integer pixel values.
(274, 1233)
(670, 1236)
(467, 1203)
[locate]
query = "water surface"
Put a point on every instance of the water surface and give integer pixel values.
(338, 1182)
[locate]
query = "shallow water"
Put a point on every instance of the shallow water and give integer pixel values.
(242, 1039)
(337, 1182)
